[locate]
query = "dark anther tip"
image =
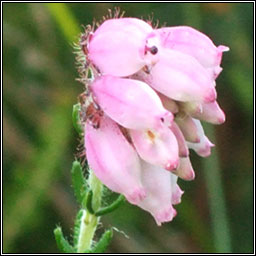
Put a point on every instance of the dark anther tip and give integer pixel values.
(153, 50)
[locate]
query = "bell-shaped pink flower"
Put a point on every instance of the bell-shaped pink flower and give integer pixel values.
(181, 77)
(183, 148)
(191, 107)
(211, 112)
(203, 147)
(118, 46)
(176, 191)
(131, 103)
(188, 127)
(113, 160)
(158, 147)
(192, 42)
(185, 170)
(169, 104)
(159, 200)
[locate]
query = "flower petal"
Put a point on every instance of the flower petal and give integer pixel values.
(176, 191)
(169, 104)
(211, 113)
(185, 170)
(191, 107)
(181, 77)
(158, 202)
(192, 42)
(131, 103)
(117, 46)
(183, 148)
(158, 147)
(203, 148)
(113, 160)
(188, 127)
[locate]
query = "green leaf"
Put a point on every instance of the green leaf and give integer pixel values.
(111, 207)
(78, 181)
(104, 242)
(76, 118)
(96, 187)
(88, 202)
(77, 227)
(62, 243)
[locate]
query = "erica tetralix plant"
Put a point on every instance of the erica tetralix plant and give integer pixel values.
(146, 91)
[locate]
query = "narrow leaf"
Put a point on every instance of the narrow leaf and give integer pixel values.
(111, 207)
(104, 242)
(76, 118)
(77, 227)
(88, 202)
(78, 181)
(62, 243)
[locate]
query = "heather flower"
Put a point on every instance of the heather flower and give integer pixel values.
(185, 170)
(181, 77)
(210, 112)
(188, 127)
(194, 43)
(113, 160)
(159, 147)
(182, 145)
(131, 103)
(118, 46)
(203, 147)
(162, 193)
(148, 92)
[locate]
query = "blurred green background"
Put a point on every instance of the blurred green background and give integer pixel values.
(39, 142)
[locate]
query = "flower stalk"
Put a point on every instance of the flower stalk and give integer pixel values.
(89, 221)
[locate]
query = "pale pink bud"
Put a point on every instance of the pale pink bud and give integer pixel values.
(131, 103)
(203, 148)
(113, 160)
(185, 170)
(192, 42)
(211, 112)
(176, 191)
(188, 127)
(191, 107)
(118, 46)
(181, 77)
(183, 148)
(169, 104)
(158, 202)
(158, 147)
(215, 71)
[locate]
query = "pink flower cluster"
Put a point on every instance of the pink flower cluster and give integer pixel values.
(151, 89)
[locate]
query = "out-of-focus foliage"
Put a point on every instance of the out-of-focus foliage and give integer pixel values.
(39, 141)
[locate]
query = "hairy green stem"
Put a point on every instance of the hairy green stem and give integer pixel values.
(87, 229)
(89, 222)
